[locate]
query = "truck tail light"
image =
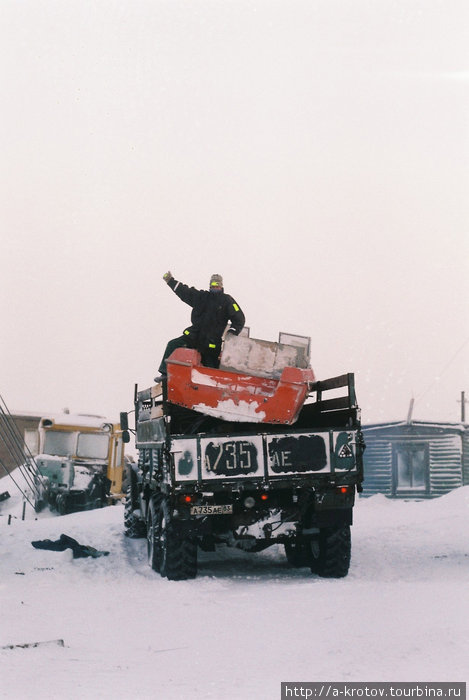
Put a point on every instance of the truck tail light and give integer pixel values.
(186, 498)
(344, 489)
(264, 496)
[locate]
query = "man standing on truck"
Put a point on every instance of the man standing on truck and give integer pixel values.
(211, 311)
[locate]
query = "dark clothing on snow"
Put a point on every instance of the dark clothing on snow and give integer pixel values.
(211, 312)
(66, 542)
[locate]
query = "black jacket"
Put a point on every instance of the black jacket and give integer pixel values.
(211, 311)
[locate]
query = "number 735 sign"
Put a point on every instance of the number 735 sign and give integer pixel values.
(236, 457)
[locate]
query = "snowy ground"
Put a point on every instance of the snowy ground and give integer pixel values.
(246, 623)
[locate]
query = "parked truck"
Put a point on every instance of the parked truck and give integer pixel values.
(254, 453)
(80, 464)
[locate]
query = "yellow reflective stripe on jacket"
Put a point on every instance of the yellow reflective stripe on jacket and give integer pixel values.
(211, 345)
(236, 307)
(186, 333)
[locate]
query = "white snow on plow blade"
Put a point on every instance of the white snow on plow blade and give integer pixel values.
(204, 379)
(229, 410)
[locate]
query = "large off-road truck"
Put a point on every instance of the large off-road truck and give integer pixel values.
(254, 453)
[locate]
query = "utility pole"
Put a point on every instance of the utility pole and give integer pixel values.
(463, 402)
(409, 414)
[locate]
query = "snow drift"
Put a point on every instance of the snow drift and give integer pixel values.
(246, 623)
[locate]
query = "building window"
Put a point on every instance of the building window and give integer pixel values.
(411, 468)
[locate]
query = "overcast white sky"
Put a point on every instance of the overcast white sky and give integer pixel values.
(314, 152)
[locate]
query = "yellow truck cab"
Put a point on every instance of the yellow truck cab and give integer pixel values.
(80, 462)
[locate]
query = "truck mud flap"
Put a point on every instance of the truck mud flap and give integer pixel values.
(333, 518)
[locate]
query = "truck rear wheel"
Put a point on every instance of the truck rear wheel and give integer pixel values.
(171, 552)
(134, 526)
(331, 552)
(153, 535)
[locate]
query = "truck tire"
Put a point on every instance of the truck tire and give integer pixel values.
(62, 504)
(171, 552)
(298, 554)
(42, 489)
(153, 546)
(331, 553)
(39, 504)
(134, 525)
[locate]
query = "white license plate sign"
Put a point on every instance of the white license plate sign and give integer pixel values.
(212, 510)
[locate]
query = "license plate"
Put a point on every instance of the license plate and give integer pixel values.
(212, 510)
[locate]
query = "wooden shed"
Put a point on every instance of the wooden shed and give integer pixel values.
(415, 459)
(24, 428)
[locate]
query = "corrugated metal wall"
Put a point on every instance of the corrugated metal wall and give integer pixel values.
(445, 464)
(465, 457)
(377, 466)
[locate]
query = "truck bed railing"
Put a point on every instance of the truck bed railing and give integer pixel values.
(337, 403)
